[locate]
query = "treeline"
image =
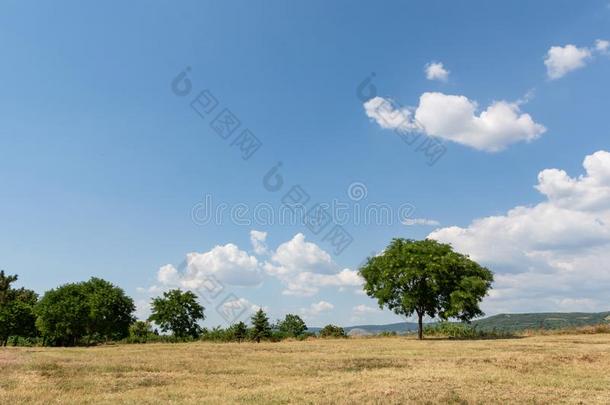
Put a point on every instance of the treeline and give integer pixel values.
(96, 311)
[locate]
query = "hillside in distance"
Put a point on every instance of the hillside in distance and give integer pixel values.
(500, 322)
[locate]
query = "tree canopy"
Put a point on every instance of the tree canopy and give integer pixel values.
(178, 312)
(292, 325)
(89, 311)
(261, 329)
(426, 278)
(16, 310)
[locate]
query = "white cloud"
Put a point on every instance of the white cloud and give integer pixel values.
(258, 241)
(389, 116)
(554, 255)
(601, 45)
(303, 267)
(561, 60)
(297, 255)
(420, 221)
(238, 305)
(455, 118)
(227, 264)
(436, 71)
(316, 309)
(360, 310)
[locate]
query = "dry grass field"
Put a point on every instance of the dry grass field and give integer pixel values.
(538, 369)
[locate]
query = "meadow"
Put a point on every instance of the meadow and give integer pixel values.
(569, 368)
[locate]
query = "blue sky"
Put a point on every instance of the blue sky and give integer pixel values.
(102, 165)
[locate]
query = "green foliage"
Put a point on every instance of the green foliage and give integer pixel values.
(332, 331)
(141, 332)
(240, 331)
(16, 310)
(178, 312)
(427, 278)
(545, 321)
(85, 312)
(110, 310)
(292, 325)
(455, 330)
(387, 333)
(260, 326)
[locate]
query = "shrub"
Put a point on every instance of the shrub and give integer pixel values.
(332, 331)
(84, 313)
(455, 330)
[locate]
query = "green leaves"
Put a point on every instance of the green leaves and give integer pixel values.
(178, 312)
(261, 329)
(427, 278)
(96, 310)
(292, 325)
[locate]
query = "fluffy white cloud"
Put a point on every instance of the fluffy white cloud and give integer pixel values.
(601, 45)
(303, 267)
(316, 309)
(436, 71)
(362, 309)
(297, 255)
(258, 240)
(455, 118)
(561, 60)
(388, 115)
(226, 264)
(554, 255)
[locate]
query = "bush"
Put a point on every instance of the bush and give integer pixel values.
(332, 331)
(454, 330)
(84, 313)
(141, 332)
(387, 333)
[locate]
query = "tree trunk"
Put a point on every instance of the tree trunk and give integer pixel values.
(420, 326)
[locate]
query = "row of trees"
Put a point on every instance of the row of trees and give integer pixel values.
(409, 277)
(97, 311)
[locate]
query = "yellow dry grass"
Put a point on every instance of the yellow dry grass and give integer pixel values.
(538, 369)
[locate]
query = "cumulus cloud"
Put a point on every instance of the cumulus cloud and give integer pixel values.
(601, 45)
(550, 256)
(436, 71)
(258, 241)
(226, 264)
(455, 118)
(303, 267)
(316, 309)
(561, 60)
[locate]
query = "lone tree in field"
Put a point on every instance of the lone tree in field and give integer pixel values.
(260, 326)
(426, 278)
(178, 312)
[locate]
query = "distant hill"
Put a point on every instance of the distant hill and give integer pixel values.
(546, 320)
(503, 322)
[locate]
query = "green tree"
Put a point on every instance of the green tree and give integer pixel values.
(110, 310)
(140, 331)
(16, 310)
(292, 325)
(332, 331)
(178, 312)
(426, 278)
(84, 312)
(63, 315)
(240, 331)
(260, 326)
